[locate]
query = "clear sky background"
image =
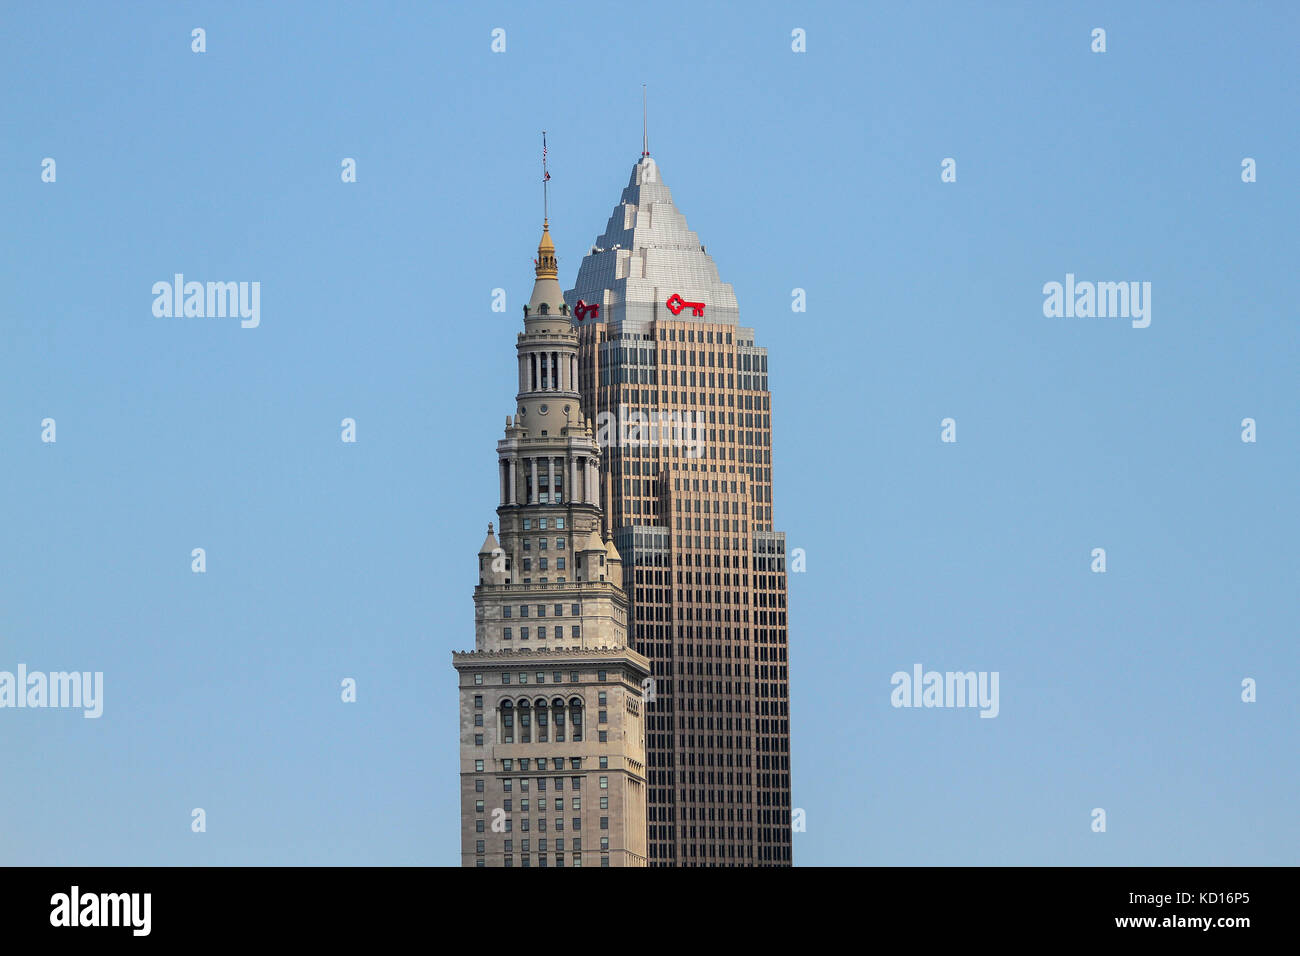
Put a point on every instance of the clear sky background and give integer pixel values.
(818, 171)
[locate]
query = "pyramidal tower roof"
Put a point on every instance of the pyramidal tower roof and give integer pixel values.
(646, 256)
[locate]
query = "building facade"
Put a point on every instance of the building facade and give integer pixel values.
(678, 391)
(552, 733)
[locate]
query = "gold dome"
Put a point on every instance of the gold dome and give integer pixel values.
(547, 267)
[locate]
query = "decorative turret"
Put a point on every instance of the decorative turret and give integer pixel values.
(493, 566)
(613, 563)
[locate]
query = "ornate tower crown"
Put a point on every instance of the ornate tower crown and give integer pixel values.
(547, 267)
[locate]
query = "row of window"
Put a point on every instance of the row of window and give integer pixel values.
(544, 565)
(526, 824)
(507, 783)
(556, 763)
(557, 610)
(543, 544)
(523, 678)
(541, 860)
(541, 523)
(575, 803)
(507, 634)
(706, 336)
(575, 843)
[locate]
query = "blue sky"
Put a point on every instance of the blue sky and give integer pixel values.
(817, 171)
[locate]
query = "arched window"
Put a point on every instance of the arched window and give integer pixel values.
(557, 717)
(575, 716)
(543, 722)
(525, 722)
(507, 722)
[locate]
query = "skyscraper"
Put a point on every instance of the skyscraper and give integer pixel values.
(678, 389)
(552, 740)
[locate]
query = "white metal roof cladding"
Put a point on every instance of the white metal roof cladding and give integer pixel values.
(646, 255)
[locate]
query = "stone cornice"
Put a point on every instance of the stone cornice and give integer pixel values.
(509, 655)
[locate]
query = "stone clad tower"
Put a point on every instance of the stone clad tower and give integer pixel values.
(678, 389)
(552, 739)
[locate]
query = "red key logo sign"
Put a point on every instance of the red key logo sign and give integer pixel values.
(582, 310)
(676, 303)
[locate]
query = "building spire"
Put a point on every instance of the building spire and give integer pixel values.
(546, 265)
(546, 179)
(645, 126)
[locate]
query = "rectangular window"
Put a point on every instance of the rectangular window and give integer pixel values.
(478, 740)
(604, 783)
(541, 678)
(559, 566)
(541, 523)
(505, 611)
(604, 763)
(559, 524)
(577, 632)
(573, 609)
(506, 634)
(478, 678)
(604, 803)
(604, 823)
(505, 678)
(541, 610)
(523, 636)
(541, 633)
(478, 765)
(527, 524)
